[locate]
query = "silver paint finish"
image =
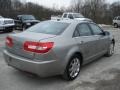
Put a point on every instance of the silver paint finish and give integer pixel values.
(65, 46)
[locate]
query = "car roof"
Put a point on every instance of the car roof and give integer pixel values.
(71, 13)
(71, 21)
(24, 15)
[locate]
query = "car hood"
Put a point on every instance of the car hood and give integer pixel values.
(30, 21)
(5, 19)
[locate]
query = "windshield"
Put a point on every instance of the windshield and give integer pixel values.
(49, 27)
(77, 15)
(28, 17)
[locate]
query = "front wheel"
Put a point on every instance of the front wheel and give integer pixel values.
(23, 27)
(111, 50)
(73, 68)
(10, 30)
(115, 25)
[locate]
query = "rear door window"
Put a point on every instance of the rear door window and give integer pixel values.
(84, 30)
(76, 33)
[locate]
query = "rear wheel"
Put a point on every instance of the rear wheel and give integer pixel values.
(73, 68)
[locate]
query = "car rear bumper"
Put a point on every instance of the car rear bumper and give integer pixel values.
(42, 68)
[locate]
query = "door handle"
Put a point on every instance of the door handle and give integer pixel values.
(101, 38)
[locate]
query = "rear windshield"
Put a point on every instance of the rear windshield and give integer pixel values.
(49, 27)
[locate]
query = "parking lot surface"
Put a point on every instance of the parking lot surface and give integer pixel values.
(102, 74)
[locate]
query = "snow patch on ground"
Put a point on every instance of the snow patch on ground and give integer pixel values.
(104, 25)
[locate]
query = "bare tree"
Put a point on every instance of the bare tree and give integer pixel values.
(94, 9)
(12, 8)
(98, 10)
(76, 5)
(115, 8)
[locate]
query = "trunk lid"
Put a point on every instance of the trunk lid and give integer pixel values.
(19, 40)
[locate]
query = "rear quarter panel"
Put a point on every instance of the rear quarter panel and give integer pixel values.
(62, 51)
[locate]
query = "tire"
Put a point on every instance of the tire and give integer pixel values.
(111, 50)
(73, 68)
(115, 25)
(15, 28)
(23, 27)
(10, 30)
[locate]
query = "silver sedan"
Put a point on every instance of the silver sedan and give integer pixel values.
(57, 47)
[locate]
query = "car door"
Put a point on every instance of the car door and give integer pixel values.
(118, 20)
(19, 22)
(86, 41)
(102, 41)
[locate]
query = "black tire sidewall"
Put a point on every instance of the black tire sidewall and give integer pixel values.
(116, 25)
(67, 76)
(23, 27)
(108, 53)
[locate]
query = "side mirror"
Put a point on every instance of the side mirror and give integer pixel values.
(106, 33)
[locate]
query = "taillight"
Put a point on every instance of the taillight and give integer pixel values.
(9, 41)
(38, 47)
